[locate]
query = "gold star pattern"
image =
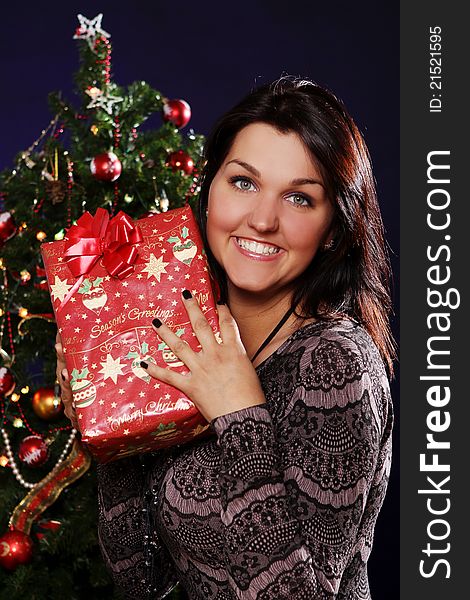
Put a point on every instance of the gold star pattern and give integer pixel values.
(59, 289)
(112, 368)
(155, 267)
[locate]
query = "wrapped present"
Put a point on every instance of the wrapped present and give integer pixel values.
(108, 279)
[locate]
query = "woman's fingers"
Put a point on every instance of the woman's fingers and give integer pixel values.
(177, 380)
(228, 326)
(178, 346)
(199, 322)
(66, 394)
(67, 397)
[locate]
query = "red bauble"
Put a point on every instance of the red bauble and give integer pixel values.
(50, 525)
(33, 451)
(180, 161)
(47, 405)
(16, 548)
(7, 382)
(7, 227)
(177, 112)
(106, 166)
(40, 281)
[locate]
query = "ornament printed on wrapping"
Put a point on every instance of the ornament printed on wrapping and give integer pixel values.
(137, 357)
(168, 356)
(84, 390)
(183, 251)
(94, 296)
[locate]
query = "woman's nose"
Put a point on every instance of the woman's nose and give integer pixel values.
(264, 214)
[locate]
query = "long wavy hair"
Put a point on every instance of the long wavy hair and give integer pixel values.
(353, 277)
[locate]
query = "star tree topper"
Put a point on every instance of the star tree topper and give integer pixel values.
(89, 30)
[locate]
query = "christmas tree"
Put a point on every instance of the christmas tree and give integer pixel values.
(87, 157)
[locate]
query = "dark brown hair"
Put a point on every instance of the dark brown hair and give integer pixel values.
(352, 278)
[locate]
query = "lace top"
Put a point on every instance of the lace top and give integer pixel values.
(281, 503)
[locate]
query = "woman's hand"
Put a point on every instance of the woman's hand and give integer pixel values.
(64, 382)
(221, 378)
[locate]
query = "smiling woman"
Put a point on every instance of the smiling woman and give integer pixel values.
(268, 213)
(281, 503)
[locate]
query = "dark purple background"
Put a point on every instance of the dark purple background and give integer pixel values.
(211, 53)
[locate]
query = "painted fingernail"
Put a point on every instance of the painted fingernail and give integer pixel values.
(156, 323)
(220, 303)
(143, 364)
(187, 294)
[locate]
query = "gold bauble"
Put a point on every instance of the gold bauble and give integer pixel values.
(47, 405)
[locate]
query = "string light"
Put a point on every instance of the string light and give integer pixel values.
(17, 422)
(41, 235)
(3, 461)
(23, 312)
(15, 397)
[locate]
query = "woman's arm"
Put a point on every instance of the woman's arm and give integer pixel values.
(295, 521)
(139, 563)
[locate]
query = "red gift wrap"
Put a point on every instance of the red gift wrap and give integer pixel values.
(108, 279)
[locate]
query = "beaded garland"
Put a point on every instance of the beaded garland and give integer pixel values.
(11, 459)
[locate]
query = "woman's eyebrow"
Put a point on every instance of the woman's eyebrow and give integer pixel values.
(256, 173)
(246, 166)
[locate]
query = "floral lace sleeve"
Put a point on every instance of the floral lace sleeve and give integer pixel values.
(302, 480)
(139, 563)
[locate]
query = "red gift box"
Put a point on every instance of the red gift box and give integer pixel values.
(108, 279)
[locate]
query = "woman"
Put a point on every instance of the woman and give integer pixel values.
(282, 502)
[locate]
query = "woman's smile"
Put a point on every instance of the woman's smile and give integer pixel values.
(257, 250)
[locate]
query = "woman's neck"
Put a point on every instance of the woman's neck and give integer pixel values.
(256, 316)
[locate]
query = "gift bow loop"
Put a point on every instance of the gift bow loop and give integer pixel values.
(95, 237)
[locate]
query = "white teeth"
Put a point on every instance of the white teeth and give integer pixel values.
(257, 248)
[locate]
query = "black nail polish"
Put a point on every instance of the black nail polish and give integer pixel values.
(220, 302)
(156, 323)
(143, 364)
(187, 294)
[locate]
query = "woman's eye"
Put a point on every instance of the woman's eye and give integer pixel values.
(242, 183)
(299, 200)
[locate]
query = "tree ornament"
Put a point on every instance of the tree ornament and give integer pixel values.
(50, 525)
(16, 548)
(47, 404)
(181, 161)
(56, 190)
(104, 101)
(40, 281)
(7, 381)
(177, 112)
(7, 227)
(90, 30)
(106, 167)
(33, 451)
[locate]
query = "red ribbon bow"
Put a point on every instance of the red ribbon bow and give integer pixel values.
(95, 237)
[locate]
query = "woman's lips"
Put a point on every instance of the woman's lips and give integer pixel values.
(257, 255)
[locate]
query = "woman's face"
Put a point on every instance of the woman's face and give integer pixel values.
(267, 210)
